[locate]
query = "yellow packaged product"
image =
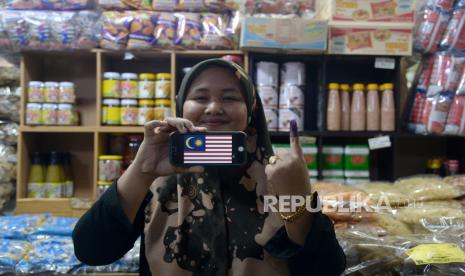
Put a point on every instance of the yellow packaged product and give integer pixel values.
(384, 193)
(424, 188)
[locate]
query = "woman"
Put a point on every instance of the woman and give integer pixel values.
(210, 221)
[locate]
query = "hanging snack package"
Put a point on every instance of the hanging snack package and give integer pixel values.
(141, 29)
(454, 38)
(431, 25)
(24, 4)
(64, 30)
(456, 118)
(426, 188)
(214, 34)
(444, 81)
(164, 5)
(4, 40)
(39, 31)
(164, 33)
(112, 5)
(89, 29)
(115, 32)
(16, 27)
(138, 4)
(188, 30)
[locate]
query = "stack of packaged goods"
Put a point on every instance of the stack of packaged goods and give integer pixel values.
(130, 99)
(46, 25)
(380, 224)
(43, 244)
(438, 105)
(346, 165)
(139, 25)
(369, 27)
(9, 123)
(287, 104)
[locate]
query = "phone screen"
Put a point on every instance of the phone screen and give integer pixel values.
(208, 148)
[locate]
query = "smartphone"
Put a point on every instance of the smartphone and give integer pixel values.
(216, 148)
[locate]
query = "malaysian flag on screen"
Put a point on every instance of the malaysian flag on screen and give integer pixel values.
(208, 148)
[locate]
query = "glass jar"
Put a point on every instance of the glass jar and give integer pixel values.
(147, 86)
(146, 111)
(109, 167)
(35, 92)
(111, 114)
(67, 93)
(134, 141)
(33, 114)
(102, 187)
(51, 92)
(129, 86)
(66, 114)
(162, 109)
(111, 85)
(163, 86)
(129, 112)
(49, 113)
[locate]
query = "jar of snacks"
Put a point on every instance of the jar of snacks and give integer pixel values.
(163, 86)
(51, 92)
(66, 114)
(111, 114)
(35, 92)
(109, 167)
(49, 113)
(102, 186)
(129, 112)
(67, 93)
(162, 109)
(147, 86)
(146, 112)
(129, 86)
(111, 85)
(33, 114)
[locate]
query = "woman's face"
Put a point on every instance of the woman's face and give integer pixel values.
(215, 101)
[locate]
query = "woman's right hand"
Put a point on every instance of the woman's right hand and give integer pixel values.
(153, 155)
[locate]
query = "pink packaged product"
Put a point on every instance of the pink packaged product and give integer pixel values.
(442, 5)
(431, 25)
(454, 38)
(456, 118)
(281, 7)
(444, 81)
(419, 101)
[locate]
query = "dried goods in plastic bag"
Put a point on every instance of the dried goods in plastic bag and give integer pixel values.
(47, 5)
(64, 30)
(115, 32)
(384, 193)
(16, 27)
(426, 188)
(7, 163)
(215, 32)
(20, 226)
(457, 181)
(4, 40)
(8, 132)
(11, 251)
(140, 25)
(89, 29)
(189, 30)
(6, 193)
(56, 226)
(164, 33)
(10, 103)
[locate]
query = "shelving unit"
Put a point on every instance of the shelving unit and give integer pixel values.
(87, 141)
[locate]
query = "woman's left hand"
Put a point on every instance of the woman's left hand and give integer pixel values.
(287, 173)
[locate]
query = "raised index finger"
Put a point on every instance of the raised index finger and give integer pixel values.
(294, 140)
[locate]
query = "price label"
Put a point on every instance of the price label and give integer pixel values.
(379, 142)
(385, 63)
(128, 56)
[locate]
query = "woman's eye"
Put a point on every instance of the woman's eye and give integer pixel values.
(200, 98)
(231, 98)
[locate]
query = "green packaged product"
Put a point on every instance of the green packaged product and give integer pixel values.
(356, 161)
(333, 161)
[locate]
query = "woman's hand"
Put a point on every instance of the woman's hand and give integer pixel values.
(289, 175)
(153, 155)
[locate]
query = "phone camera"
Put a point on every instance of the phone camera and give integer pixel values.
(240, 149)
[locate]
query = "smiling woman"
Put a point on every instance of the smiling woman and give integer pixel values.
(210, 221)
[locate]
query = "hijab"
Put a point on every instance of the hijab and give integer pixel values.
(213, 223)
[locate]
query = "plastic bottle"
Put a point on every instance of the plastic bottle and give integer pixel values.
(54, 176)
(68, 185)
(388, 109)
(345, 107)
(333, 111)
(36, 176)
(358, 111)
(373, 113)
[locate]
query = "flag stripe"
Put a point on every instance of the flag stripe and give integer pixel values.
(219, 142)
(206, 153)
(206, 158)
(208, 162)
(218, 146)
(219, 150)
(218, 137)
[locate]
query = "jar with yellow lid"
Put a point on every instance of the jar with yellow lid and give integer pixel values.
(129, 112)
(163, 86)
(147, 86)
(109, 167)
(162, 109)
(111, 113)
(111, 87)
(146, 111)
(102, 187)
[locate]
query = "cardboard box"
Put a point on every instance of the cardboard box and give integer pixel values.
(367, 10)
(370, 39)
(296, 34)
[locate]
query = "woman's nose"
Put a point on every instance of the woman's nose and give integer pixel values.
(214, 107)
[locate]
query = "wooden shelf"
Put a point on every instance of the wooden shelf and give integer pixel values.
(56, 206)
(58, 129)
(120, 129)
